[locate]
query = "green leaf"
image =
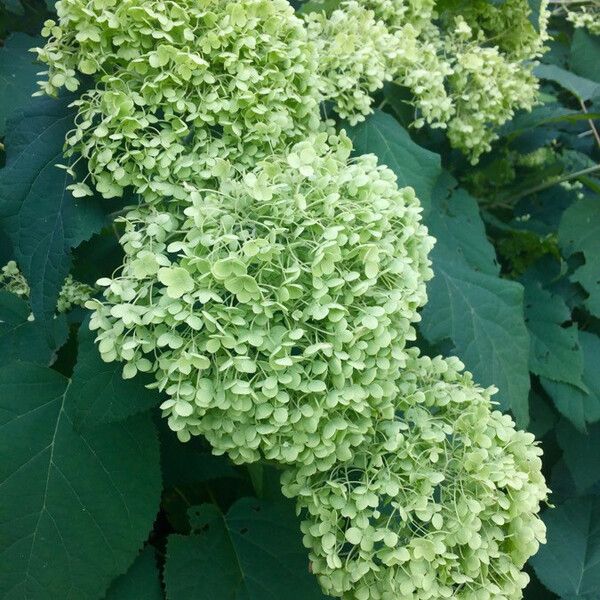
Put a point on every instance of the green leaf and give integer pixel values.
(554, 351)
(141, 582)
(17, 74)
(13, 6)
(585, 50)
(22, 339)
(575, 404)
(581, 453)
(568, 563)
(41, 217)
(579, 231)
(192, 462)
(98, 392)
(253, 552)
(75, 507)
(546, 114)
(470, 305)
(582, 88)
(543, 416)
(413, 165)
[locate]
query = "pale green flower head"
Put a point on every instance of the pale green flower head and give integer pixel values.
(73, 293)
(277, 318)
(467, 65)
(510, 25)
(440, 503)
(356, 54)
(186, 92)
(487, 88)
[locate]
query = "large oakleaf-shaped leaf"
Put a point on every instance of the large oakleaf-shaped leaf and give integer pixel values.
(251, 553)
(582, 88)
(141, 582)
(580, 232)
(581, 453)
(554, 352)
(579, 406)
(75, 507)
(585, 50)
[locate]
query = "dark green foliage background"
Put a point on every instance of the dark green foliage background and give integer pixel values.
(97, 497)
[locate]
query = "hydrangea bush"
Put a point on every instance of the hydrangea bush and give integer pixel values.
(274, 311)
(272, 278)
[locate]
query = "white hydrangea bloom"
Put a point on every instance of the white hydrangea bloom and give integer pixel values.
(185, 92)
(275, 312)
(441, 503)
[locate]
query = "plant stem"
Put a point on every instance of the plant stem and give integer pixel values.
(548, 184)
(591, 122)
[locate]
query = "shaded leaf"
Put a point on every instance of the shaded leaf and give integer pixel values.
(253, 552)
(326, 6)
(193, 462)
(24, 339)
(568, 563)
(554, 351)
(545, 114)
(414, 166)
(472, 306)
(17, 74)
(585, 50)
(41, 217)
(579, 231)
(582, 88)
(578, 406)
(74, 507)
(581, 453)
(13, 6)
(141, 582)
(98, 392)
(543, 417)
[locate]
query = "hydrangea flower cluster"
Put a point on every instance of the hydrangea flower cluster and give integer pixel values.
(275, 311)
(441, 503)
(271, 281)
(486, 88)
(585, 14)
(396, 14)
(185, 91)
(356, 54)
(466, 64)
(509, 24)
